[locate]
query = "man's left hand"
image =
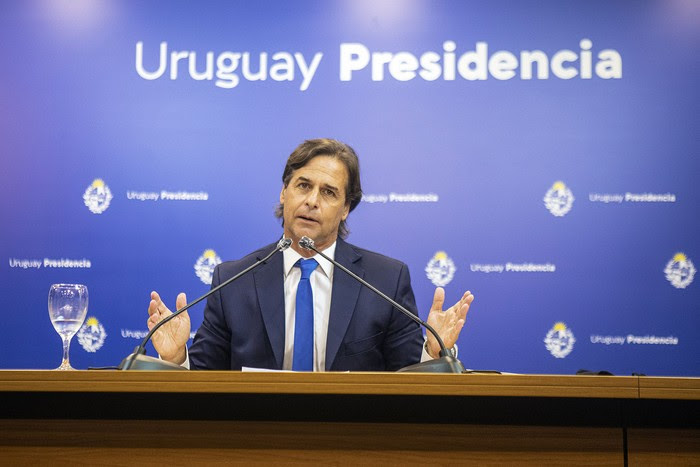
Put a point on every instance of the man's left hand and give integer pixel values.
(448, 323)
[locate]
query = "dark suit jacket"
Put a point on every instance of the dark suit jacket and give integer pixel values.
(244, 322)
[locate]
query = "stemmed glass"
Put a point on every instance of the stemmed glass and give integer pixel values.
(68, 305)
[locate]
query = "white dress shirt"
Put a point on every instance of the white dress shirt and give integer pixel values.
(321, 280)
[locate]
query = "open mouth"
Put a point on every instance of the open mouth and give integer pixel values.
(307, 219)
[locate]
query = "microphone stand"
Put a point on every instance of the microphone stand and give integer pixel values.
(446, 363)
(138, 360)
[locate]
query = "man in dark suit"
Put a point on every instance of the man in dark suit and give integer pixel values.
(338, 325)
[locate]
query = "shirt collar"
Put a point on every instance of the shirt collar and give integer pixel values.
(291, 257)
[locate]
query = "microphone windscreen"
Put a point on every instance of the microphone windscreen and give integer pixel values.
(306, 243)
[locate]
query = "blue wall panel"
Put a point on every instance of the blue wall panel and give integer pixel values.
(458, 166)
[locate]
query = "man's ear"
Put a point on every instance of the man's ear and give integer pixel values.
(282, 194)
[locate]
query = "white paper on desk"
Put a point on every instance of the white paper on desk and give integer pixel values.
(268, 370)
(264, 370)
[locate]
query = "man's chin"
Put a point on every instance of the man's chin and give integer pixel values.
(305, 232)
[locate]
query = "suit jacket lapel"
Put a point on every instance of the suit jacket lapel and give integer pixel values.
(343, 299)
(269, 286)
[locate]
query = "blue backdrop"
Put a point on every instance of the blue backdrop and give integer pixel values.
(541, 154)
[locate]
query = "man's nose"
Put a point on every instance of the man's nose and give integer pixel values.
(312, 198)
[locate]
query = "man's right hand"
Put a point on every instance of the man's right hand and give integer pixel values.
(170, 340)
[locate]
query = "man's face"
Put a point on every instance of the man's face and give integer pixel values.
(314, 202)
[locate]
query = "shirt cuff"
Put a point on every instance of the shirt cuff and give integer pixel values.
(425, 356)
(186, 363)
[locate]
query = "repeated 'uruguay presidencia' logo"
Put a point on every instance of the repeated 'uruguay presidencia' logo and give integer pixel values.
(559, 199)
(680, 271)
(440, 269)
(560, 340)
(97, 196)
(92, 335)
(204, 267)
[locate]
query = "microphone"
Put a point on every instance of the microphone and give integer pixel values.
(138, 360)
(446, 363)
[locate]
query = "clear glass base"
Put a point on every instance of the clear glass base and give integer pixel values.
(65, 362)
(65, 365)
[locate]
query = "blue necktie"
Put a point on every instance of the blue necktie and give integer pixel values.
(304, 319)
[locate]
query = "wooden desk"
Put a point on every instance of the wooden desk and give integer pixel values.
(178, 418)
